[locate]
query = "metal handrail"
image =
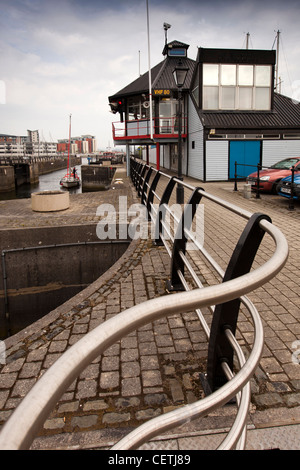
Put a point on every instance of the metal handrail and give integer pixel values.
(23, 425)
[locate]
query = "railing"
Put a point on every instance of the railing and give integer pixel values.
(163, 127)
(224, 299)
(257, 179)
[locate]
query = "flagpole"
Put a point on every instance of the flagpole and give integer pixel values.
(149, 73)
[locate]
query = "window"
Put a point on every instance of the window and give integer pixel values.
(245, 75)
(237, 86)
(228, 74)
(262, 98)
(210, 74)
(245, 97)
(211, 97)
(228, 98)
(136, 109)
(179, 52)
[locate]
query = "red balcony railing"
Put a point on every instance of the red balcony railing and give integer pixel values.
(163, 127)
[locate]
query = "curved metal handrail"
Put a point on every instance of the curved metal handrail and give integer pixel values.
(23, 425)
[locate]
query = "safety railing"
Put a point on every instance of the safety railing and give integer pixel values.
(224, 379)
(162, 127)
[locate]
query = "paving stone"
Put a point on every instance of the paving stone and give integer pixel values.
(55, 423)
(176, 391)
(95, 405)
(131, 386)
(115, 418)
(86, 389)
(84, 422)
(109, 380)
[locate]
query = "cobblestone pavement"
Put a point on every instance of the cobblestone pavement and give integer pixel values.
(156, 368)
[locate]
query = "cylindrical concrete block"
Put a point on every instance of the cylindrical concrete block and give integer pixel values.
(247, 191)
(50, 201)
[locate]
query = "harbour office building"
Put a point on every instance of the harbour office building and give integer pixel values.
(230, 113)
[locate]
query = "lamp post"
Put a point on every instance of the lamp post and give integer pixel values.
(179, 74)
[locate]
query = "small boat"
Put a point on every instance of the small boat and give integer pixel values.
(71, 179)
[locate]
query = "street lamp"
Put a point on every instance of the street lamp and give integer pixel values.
(179, 74)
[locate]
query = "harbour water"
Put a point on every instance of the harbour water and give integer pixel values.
(48, 182)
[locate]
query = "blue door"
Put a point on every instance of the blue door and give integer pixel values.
(244, 153)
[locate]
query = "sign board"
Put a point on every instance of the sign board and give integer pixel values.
(162, 92)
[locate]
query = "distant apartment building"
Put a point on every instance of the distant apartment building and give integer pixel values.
(84, 144)
(33, 136)
(26, 146)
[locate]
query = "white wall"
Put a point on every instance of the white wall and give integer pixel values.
(217, 160)
(275, 150)
(195, 158)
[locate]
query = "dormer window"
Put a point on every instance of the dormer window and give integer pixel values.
(176, 52)
(175, 49)
(237, 87)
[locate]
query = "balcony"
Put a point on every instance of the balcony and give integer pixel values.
(139, 131)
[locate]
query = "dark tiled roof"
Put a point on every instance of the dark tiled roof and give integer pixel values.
(161, 76)
(286, 114)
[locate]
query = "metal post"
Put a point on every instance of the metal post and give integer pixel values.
(127, 160)
(179, 189)
(226, 314)
(257, 190)
(235, 176)
(161, 210)
(291, 200)
(145, 185)
(177, 264)
(151, 193)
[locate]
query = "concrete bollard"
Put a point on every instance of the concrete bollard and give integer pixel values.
(247, 191)
(50, 201)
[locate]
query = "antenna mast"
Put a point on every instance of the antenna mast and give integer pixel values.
(166, 27)
(277, 62)
(247, 40)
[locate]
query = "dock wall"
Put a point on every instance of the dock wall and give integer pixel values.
(52, 265)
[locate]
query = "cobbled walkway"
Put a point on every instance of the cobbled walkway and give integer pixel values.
(156, 368)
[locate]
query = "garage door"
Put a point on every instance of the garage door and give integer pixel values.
(244, 153)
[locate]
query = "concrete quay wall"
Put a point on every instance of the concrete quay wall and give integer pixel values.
(28, 172)
(156, 368)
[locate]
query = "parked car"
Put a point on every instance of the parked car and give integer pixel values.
(284, 186)
(269, 178)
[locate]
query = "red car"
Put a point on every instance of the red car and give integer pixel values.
(269, 178)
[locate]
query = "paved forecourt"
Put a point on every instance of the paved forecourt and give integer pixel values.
(156, 368)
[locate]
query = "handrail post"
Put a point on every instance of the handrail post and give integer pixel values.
(140, 178)
(146, 181)
(235, 176)
(151, 193)
(257, 190)
(226, 314)
(160, 216)
(175, 284)
(291, 199)
(137, 174)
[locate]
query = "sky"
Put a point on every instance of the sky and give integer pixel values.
(62, 57)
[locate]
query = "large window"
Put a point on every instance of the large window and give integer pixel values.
(236, 86)
(137, 108)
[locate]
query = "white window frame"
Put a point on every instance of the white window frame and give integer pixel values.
(237, 88)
